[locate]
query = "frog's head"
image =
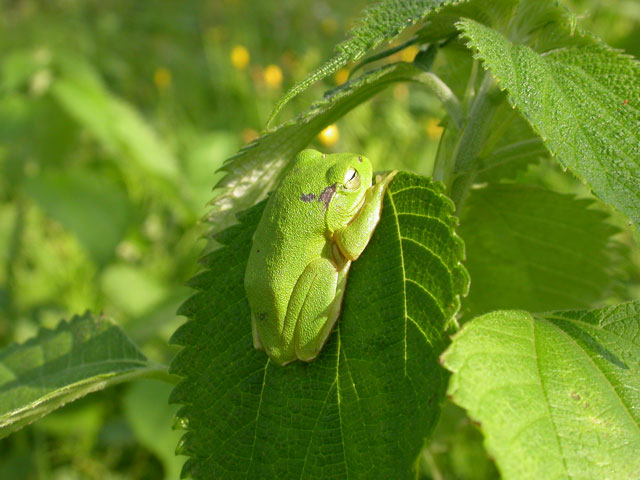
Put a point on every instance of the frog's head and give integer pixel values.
(348, 177)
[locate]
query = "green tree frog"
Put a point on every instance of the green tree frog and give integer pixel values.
(318, 220)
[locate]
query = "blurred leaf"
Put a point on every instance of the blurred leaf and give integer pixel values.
(80, 421)
(19, 66)
(534, 249)
(584, 103)
(556, 395)
(132, 289)
(256, 168)
(52, 272)
(206, 154)
(36, 132)
(115, 123)
(90, 206)
(17, 464)
(363, 408)
(380, 23)
(61, 365)
(159, 322)
(146, 405)
(15, 111)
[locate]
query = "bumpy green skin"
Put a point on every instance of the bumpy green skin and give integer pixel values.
(317, 221)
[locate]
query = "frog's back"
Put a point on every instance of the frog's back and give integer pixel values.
(289, 236)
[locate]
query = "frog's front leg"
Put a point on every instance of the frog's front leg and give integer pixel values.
(353, 239)
(314, 306)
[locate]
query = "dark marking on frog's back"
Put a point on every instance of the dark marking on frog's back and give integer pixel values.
(326, 195)
(308, 197)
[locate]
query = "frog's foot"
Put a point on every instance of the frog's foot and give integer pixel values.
(383, 180)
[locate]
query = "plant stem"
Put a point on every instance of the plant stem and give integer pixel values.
(445, 95)
(470, 91)
(464, 159)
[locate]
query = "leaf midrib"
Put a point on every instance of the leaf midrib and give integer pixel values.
(404, 274)
(536, 353)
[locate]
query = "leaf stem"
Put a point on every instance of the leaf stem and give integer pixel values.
(158, 371)
(470, 91)
(469, 145)
(445, 95)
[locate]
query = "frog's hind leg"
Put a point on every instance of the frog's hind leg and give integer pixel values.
(320, 308)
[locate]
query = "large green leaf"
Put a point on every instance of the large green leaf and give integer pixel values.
(534, 249)
(256, 168)
(61, 365)
(363, 408)
(381, 22)
(583, 101)
(557, 395)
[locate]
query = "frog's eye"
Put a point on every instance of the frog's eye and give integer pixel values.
(352, 179)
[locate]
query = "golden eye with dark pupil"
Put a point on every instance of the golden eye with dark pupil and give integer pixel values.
(352, 179)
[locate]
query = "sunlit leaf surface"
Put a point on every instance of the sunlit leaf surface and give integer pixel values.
(557, 395)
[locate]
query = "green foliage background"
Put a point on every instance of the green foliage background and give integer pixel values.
(114, 117)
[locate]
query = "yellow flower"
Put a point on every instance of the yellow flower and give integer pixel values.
(329, 136)
(272, 76)
(433, 128)
(240, 57)
(341, 76)
(162, 78)
(409, 53)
